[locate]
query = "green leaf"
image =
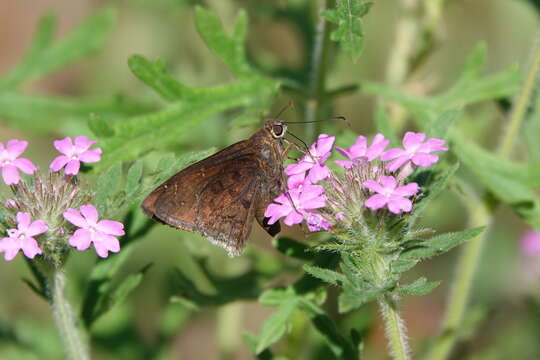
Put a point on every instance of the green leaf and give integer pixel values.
(353, 297)
(385, 126)
(276, 325)
(439, 127)
(348, 17)
(402, 265)
(440, 244)
(230, 49)
(433, 190)
(155, 75)
(107, 186)
(329, 276)
(99, 126)
(420, 287)
(43, 57)
(133, 180)
(276, 296)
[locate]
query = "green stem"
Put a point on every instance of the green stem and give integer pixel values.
(317, 77)
(462, 285)
(480, 215)
(394, 328)
(64, 318)
(520, 105)
(229, 330)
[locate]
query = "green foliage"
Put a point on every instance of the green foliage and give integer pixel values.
(419, 287)
(348, 16)
(188, 106)
(470, 88)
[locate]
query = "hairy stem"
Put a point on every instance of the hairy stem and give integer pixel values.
(519, 109)
(394, 328)
(317, 76)
(64, 318)
(463, 280)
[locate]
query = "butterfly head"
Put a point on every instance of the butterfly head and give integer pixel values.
(276, 128)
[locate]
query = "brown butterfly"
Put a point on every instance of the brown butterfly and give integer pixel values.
(221, 195)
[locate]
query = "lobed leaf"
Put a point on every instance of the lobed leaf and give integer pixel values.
(276, 325)
(419, 287)
(326, 275)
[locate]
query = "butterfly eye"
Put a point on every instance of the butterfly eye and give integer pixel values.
(277, 130)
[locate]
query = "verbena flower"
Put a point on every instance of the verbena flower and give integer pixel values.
(101, 233)
(303, 199)
(22, 238)
(314, 162)
(415, 150)
(74, 153)
(390, 195)
(11, 163)
(360, 151)
(530, 243)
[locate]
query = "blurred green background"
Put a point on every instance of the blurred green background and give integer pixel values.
(506, 296)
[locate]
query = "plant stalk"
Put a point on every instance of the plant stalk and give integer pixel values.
(64, 318)
(394, 328)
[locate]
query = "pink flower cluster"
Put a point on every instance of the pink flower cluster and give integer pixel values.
(101, 233)
(305, 199)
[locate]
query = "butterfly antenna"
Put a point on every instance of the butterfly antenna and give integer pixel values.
(286, 107)
(302, 141)
(340, 118)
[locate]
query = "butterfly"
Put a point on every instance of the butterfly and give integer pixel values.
(221, 195)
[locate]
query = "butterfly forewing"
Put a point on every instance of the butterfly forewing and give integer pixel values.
(221, 195)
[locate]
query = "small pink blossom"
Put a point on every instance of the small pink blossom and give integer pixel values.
(11, 163)
(74, 154)
(308, 197)
(359, 150)
(530, 243)
(316, 222)
(415, 150)
(22, 238)
(390, 195)
(101, 233)
(314, 161)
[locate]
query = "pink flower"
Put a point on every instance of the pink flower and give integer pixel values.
(10, 163)
(314, 161)
(101, 233)
(530, 243)
(308, 197)
(315, 222)
(360, 150)
(22, 238)
(74, 154)
(416, 151)
(389, 195)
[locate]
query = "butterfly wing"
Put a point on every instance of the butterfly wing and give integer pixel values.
(219, 196)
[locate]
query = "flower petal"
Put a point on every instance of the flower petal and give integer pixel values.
(376, 202)
(23, 221)
(10, 174)
(359, 148)
(58, 162)
(412, 139)
(396, 204)
(65, 146)
(16, 147)
(318, 173)
(293, 218)
(81, 239)
(74, 217)
(388, 182)
(393, 153)
(397, 163)
(72, 167)
(298, 168)
(30, 247)
(37, 227)
(424, 160)
(324, 144)
(25, 165)
(373, 186)
(406, 190)
(108, 242)
(111, 227)
(90, 213)
(91, 156)
(10, 248)
(82, 143)
(346, 164)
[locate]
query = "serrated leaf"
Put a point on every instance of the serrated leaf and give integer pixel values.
(402, 265)
(276, 296)
(348, 18)
(326, 275)
(108, 184)
(156, 76)
(133, 179)
(44, 57)
(419, 287)
(230, 49)
(276, 325)
(353, 297)
(99, 126)
(440, 244)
